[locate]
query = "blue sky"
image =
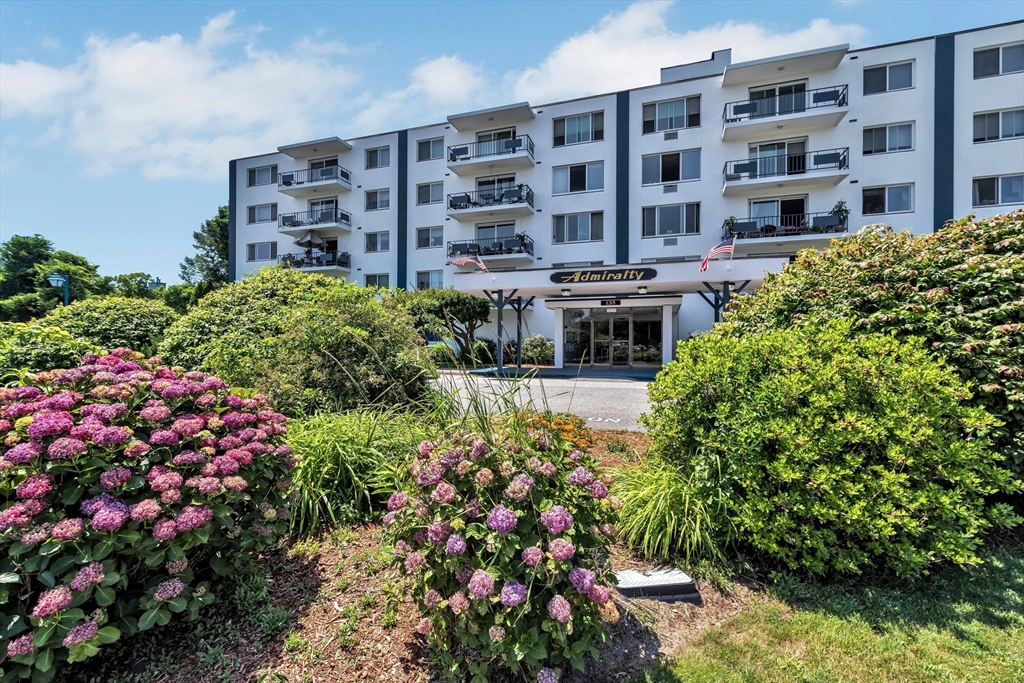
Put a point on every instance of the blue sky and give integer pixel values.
(117, 119)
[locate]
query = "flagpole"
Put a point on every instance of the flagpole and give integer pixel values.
(731, 252)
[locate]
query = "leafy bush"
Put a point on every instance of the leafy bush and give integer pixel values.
(115, 321)
(308, 341)
(31, 346)
(504, 542)
(537, 350)
(960, 289)
(448, 313)
(569, 427)
(126, 485)
(347, 461)
(831, 452)
(481, 352)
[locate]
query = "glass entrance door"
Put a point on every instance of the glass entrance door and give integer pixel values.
(620, 341)
(602, 341)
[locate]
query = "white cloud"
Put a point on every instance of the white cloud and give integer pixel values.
(50, 43)
(628, 49)
(177, 108)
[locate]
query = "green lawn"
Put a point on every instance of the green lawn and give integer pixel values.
(960, 625)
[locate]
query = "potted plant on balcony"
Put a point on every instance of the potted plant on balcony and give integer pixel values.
(729, 223)
(842, 212)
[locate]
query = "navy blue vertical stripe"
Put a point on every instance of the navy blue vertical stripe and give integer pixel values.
(232, 219)
(945, 63)
(403, 208)
(622, 177)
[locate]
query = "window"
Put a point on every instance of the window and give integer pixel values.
(264, 175)
(261, 251)
(682, 113)
(573, 130)
(995, 61)
(896, 138)
(430, 193)
(429, 238)
(377, 280)
(886, 78)
(675, 219)
(671, 168)
(377, 241)
(495, 232)
(262, 213)
(378, 158)
(579, 227)
(378, 199)
(430, 149)
(1008, 189)
(892, 199)
(579, 178)
(430, 279)
(999, 125)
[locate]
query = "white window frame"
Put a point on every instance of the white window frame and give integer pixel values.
(1000, 121)
(440, 153)
(565, 169)
(254, 173)
(686, 114)
(376, 280)
(1000, 71)
(440, 193)
(999, 189)
(430, 279)
(378, 205)
(565, 218)
(888, 133)
(385, 149)
(430, 237)
(377, 249)
(682, 220)
(887, 210)
(913, 77)
(565, 124)
(252, 249)
(252, 213)
(661, 165)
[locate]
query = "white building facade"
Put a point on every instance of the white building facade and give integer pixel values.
(592, 215)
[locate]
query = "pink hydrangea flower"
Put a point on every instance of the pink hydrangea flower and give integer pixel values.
(81, 633)
(237, 484)
(50, 424)
(520, 487)
(168, 590)
(66, 448)
(556, 520)
(432, 599)
(414, 561)
(192, 517)
(438, 531)
(116, 478)
(484, 477)
(481, 585)
(599, 594)
(164, 530)
(443, 493)
(110, 518)
(136, 449)
(397, 501)
(188, 458)
(163, 437)
(22, 645)
(35, 486)
(52, 601)
(496, 634)
(547, 676)
(225, 464)
(89, 575)
(559, 609)
(458, 603)
(532, 556)
(423, 628)
(187, 426)
(66, 529)
(111, 436)
(145, 510)
(561, 549)
(170, 496)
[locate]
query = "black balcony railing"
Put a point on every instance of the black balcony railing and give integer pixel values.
(791, 103)
(308, 176)
(520, 194)
(490, 148)
(312, 219)
(317, 259)
(787, 164)
(783, 226)
(491, 246)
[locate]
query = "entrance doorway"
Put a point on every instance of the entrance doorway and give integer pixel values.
(599, 337)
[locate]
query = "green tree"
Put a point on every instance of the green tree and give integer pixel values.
(18, 258)
(115, 321)
(179, 297)
(84, 278)
(134, 286)
(210, 264)
(448, 313)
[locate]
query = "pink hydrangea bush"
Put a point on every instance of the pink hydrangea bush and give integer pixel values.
(504, 539)
(126, 486)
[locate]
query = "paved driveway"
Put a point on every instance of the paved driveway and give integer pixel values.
(603, 403)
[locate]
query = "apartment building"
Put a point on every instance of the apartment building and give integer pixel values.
(592, 215)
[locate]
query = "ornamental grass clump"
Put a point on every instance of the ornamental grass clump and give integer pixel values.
(127, 485)
(504, 538)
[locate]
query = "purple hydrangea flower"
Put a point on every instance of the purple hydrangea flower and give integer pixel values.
(22, 645)
(425, 449)
(52, 601)
(513, 594)
(168, 590)
(94, 505)
(557, 519)
(157, 413)
(397, 501)
(116, 478)
(88, 575)
(66, 448)
(481, 584)
(581, 476)
(502, 520)
(547, 676)
(438, 531)
(110, 518)
(520, 487)
(451, 458)
(389, 518)
(458, 603)
(402, 548)
(66, 529)
(35, 535)
(598, 490)
(414, 561)
(24, 452)
(480, 449)
(532, 556)
(189, 458)
(484, 477)
(192, 517)
(581, 579)
(35, 486)
(548, 469)
(574, 455)
(561, 549)
(432, 599)
(443, 493)
(456, 545)
(165, 530)
(81, 633)
(164, 437)
(187, 426)
(559, 609)
(496, 634)
(429, 474)
(50, 424)
(473, 508)
(599, 594)
(423, 628)
(111, 436)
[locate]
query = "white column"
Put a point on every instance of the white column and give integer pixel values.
(668, 336)
(559, 337)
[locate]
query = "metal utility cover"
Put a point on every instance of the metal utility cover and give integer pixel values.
(669, 585)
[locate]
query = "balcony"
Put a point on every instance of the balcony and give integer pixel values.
(518, 248)
(313, 182)
(474, 158)
(800, 171)
(792, 227)
(314, 261)
(791, 114)
(483, 204)
(327, 222)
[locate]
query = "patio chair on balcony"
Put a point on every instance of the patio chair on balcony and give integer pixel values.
(486, 198)
(459, 201)
(513, 196)
(330, 258)
(289, 220)
(512, 145)
(746, 229)
(458, 249)
(474, 249)
(512, 245)
(458, 153)
(826, 223)
(287, 179)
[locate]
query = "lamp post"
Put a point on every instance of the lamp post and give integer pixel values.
(57, 280)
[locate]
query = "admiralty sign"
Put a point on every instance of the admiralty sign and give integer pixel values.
(604, 275)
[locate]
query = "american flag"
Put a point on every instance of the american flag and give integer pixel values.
(720, 250)
(469, 261)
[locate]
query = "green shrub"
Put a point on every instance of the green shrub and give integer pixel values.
(504, 543)
(537, 350)
(113, 322)
(481, 352)
(33, 346)
(448, 313)
(960, 289)
(347, 462)
(831, 452)
(126, 487)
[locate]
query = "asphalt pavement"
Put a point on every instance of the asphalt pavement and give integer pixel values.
(605, 403)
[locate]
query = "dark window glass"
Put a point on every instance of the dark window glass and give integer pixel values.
(669, 168)
(578, 178)
(651, 170)
(873, 200)
(423, 153)
(1013, 59)
(901, 76)
(650, 222)
(986, 63)
(985, 191)
(670, 220)
(986, 127)
(874, 80)
(650, 114)
(692, 112)
(597, 226)
(559, 132)
(692, 226)
(597, 125)
(874, 140)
